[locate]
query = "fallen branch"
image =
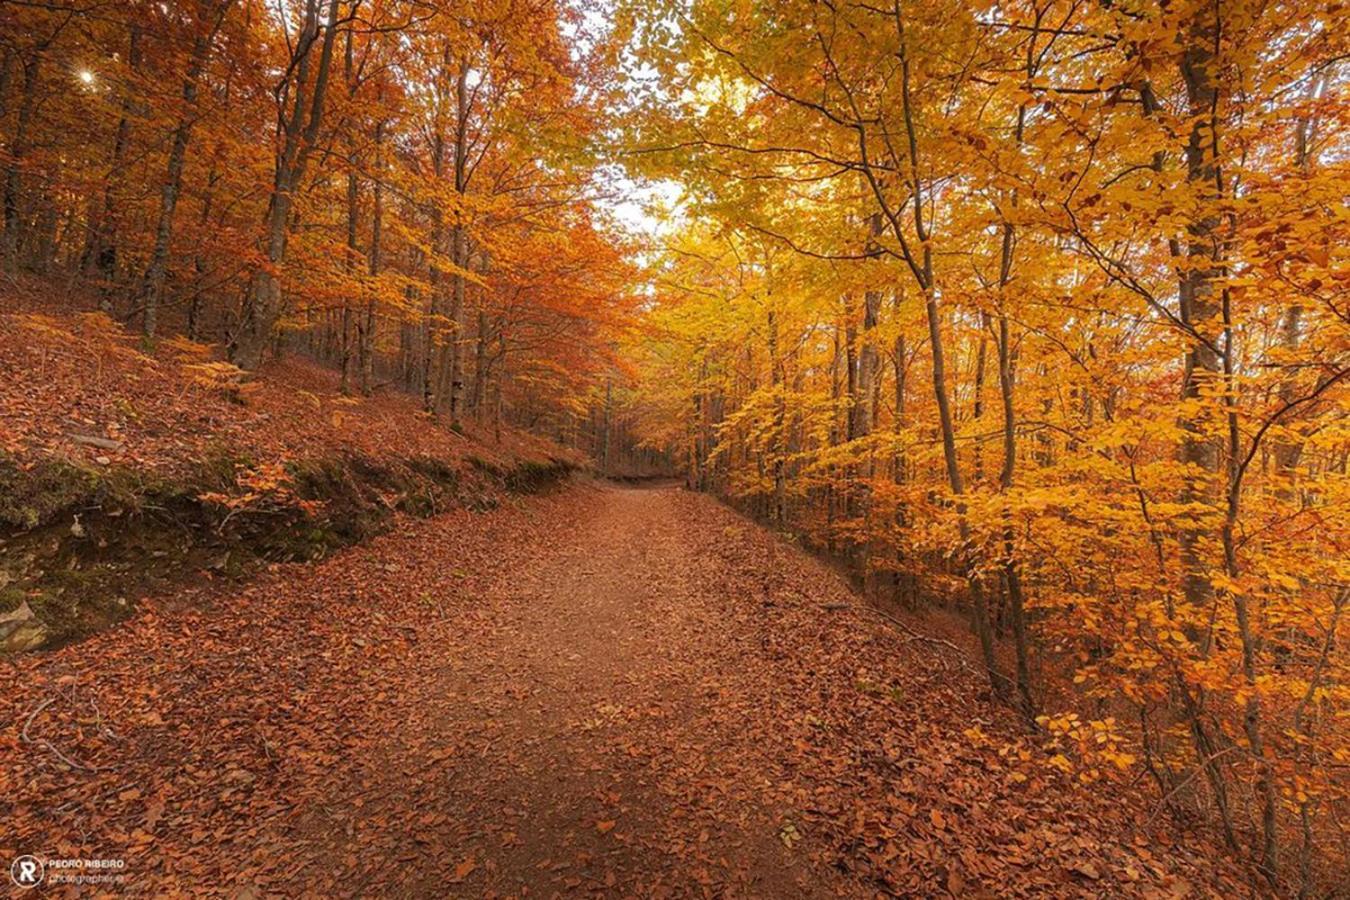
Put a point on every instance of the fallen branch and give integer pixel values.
(94, 441)
(911, 634)
(1167, 798)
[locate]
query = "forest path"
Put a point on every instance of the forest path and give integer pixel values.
(622, 691)
(564, 740)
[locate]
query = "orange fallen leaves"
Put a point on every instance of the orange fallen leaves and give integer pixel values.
(463, 870)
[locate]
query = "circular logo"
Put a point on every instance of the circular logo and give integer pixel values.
(27, 871)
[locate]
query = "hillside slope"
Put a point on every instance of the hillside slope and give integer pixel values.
(123, 468)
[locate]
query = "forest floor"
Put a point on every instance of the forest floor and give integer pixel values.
(125, 467)
(615, 690)
(161, 411)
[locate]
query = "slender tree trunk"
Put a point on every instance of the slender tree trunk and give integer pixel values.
(501, 383)
(1209, 365)
(434, 278)
(850, 368)
(1199, 305)
(198, 260)
(1012, 573)
(779, 450)
(479, 396)
(977, 410)
(606, 426)
(347, 338)
(920, 262)
(102, 249)
(366, 345)
(869, 364)
(836, 435)
(458, 242)
(1288, 452)
(904, 581)
(18, 151)
(300, 131)
(153, 281)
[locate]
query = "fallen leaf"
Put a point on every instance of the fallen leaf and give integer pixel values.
(463, 869)
(1086, 869)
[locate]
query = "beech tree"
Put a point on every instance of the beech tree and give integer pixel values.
(429, 171)
(1034, 312)
(1114, 220)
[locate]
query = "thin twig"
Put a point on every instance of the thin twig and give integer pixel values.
(43, 742)
(912, 634)
(1188, 779)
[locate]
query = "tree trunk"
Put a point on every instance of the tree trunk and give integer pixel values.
(1199, 306)
(479, 397)
(18, 151)
(458, 242)
(606, 426)
(102, 248)
(153, 282)
(366, 345)
(1207, 311)
(300, 131)
(778, 513)
(347, 338)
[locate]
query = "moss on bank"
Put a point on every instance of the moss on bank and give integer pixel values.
(79, 544)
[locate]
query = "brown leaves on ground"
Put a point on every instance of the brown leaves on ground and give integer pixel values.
(609, 691)
(91, 394)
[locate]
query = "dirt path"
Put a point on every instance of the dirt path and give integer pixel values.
(609, 690)
(546, 707)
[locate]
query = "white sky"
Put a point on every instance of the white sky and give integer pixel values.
(643, 207)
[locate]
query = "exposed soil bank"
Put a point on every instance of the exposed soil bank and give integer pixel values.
(79, 543)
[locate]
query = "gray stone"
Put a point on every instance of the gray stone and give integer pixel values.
(20, 630)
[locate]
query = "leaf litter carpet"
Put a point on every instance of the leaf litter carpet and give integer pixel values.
(610, 691)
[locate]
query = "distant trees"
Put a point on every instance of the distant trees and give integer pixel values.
(383, 184)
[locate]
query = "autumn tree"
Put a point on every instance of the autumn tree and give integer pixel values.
(1091, 247)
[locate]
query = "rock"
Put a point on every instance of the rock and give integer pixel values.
(93, 440)
(20, 630)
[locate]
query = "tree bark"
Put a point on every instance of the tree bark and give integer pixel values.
(153, 281)
(1199, 306)
(32, 74)
(300, 130)
(458, 243)
(366, 343)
